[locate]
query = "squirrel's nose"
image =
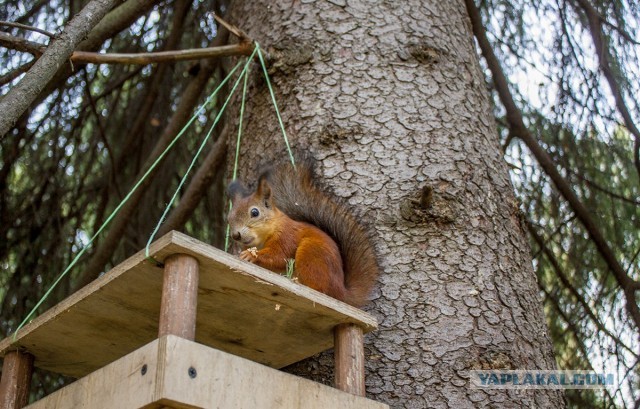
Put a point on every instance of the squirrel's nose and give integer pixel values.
(236, 236)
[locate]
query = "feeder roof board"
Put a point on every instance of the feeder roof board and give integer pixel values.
(242, 309)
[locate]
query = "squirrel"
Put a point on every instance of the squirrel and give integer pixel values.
(289, 217)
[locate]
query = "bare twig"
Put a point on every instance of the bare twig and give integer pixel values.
(620, 31)
(33, 9)
(604, 58)
(232, 29)
(198, 186)
(116, 20)
(115, 85)
(243, 48)
(20, 44)
(571, 325)
(555, 231)
(567, 284)
(26, 27)
(101, 130)
(13, 74)
(20, 97)
(152, 90)
(594, 185)
(180, 117)
(163, 56)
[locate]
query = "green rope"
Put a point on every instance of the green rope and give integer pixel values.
(123, 202)
(275, 105)
(284, 133)
(237, 155)
(195, 158)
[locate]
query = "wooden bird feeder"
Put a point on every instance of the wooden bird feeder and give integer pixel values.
(206, 330)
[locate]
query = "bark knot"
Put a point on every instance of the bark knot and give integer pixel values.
(422, 53)
(334, 135)
(491, 360)
(430, 205)
(286, 56)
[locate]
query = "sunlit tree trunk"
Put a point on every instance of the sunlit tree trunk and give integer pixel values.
(390, 100)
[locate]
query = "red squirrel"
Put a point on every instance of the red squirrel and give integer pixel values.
(288, 217)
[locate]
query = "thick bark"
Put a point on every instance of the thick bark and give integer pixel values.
(18, 99)
(389, 98)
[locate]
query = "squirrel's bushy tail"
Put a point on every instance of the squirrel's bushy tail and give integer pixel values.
(296, 194)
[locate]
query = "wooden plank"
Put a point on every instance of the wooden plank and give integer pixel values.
(179, 303)
(184, 374)
(226, 381)
(349, 359)
(242, 309)
(129, 382)
(16, 380)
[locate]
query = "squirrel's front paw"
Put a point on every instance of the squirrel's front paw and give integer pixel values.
(250, 255)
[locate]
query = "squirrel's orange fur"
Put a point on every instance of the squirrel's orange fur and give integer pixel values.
(285, 219)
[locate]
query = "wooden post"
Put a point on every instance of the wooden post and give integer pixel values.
(179, 297)
(349, 358)
(16, 380)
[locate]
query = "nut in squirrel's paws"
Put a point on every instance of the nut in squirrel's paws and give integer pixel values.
(250, 254)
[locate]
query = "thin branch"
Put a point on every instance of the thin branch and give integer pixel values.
(115, 85)
(152, 89)
(242, 36)
(101, 130)
(629, 370)
(106, 247)
(516, 124)
(620, 31)
(26, 27)
(635, 202)
(574, 330)
(13, 74)
(567, 284)
(116, 20)
(33, 9)
(570, 43)
(198, 186)
(633, 260)
(604, 59)
(556, 231)
(19, 98)
(244, 48)
(508, 140)
(154, 84)
(21, 44)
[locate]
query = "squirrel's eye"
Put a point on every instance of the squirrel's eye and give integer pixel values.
(255, 212)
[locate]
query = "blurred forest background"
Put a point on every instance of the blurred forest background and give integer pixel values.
(564, 76)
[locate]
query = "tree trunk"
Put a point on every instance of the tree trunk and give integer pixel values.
(390, 100)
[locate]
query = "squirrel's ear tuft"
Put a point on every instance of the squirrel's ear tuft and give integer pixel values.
(236, 190)
(264, 191)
